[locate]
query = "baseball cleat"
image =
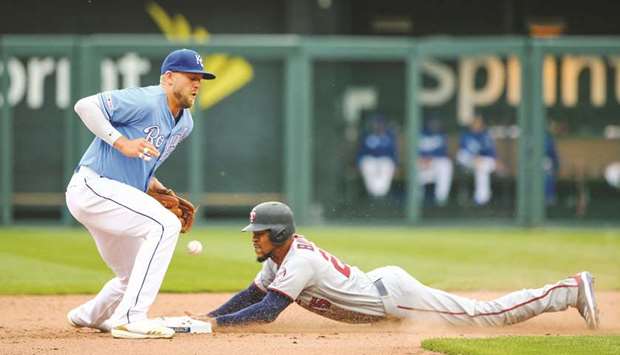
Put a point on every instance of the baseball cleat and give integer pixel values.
(76, 323)
(146, 329)
(586, 302)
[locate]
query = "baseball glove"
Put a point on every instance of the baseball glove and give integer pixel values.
(180, 207)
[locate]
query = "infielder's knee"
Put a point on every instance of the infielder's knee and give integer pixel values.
(165, 225)
(171, 224)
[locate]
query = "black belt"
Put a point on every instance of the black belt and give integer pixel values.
(381, 288)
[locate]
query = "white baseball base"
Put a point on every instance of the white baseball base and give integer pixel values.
(187, 324)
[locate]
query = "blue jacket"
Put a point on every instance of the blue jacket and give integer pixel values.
(478, 143)
(432, 144)
(550, 152)
(378, 145)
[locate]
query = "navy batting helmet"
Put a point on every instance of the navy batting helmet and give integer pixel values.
(272, 216)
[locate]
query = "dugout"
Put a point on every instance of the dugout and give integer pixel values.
(282, 128)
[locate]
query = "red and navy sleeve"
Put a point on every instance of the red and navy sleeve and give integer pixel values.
(265, 311)
(241, 300)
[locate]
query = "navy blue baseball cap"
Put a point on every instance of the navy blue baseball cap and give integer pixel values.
(185, 61)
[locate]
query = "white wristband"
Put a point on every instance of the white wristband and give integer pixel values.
(111, 136)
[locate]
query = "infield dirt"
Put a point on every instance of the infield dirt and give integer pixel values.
(37, 325)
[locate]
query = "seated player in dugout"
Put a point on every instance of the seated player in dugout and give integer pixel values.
(377, 156)
(297, 270)
(477, 155)
(434, 165)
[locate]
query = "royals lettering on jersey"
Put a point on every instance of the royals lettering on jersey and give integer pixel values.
(321, 283)
(137, 113)
(153, 136)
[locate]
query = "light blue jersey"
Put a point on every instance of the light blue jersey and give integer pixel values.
(136, 113)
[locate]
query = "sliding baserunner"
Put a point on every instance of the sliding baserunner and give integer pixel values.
(297, 270)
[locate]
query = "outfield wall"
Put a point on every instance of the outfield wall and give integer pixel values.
(284, 117)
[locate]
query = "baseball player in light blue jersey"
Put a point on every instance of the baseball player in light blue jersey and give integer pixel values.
(136, 130)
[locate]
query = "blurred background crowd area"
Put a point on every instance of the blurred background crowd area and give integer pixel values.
(318, 17)
(468, 143)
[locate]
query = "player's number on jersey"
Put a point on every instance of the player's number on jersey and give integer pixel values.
(341, 267)
(338, 265)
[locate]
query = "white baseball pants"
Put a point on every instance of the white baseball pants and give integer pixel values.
(438, 171)
(482, 168)
(135, 236)
(408, 298)
(377, 173)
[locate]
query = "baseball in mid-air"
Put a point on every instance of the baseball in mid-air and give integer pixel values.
(612, 175)
(194, 247)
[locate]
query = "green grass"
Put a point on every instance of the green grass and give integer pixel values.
(64, 260)
(524, 345)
